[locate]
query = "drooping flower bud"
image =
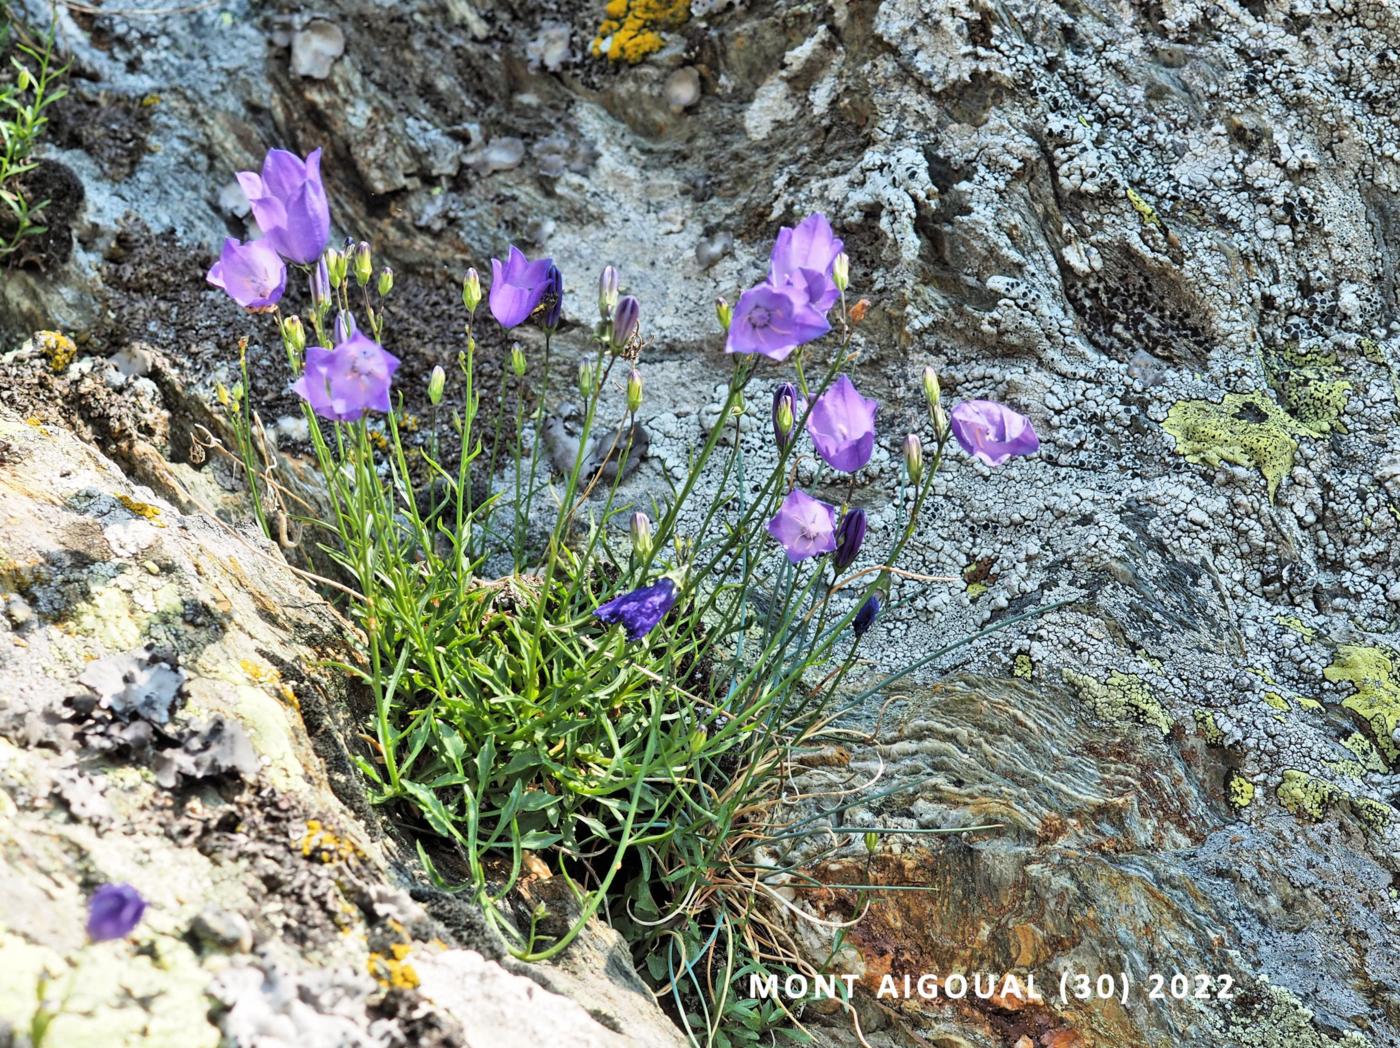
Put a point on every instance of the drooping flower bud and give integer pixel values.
(850, 536)
(553, 298)
(642, 543)
(364, 264)
(336, 265)
(932, 391)
(626, 319)
(634, 391)
(471, 290)
(585, 379)
(321, 286)
(914, 458)
(608, 283)
(784, 413)
(436, 381)
(865, 618)
(725, 312)
(386, 282)
(841, 272)
(344, 326)
(940, 423)
(294, 335)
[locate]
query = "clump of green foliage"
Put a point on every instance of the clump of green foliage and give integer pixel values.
(23, 102)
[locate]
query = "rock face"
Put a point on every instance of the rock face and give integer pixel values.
(1166, 232)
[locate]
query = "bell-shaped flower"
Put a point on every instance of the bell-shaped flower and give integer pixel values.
(993, 432)
(842, 425)
(865, 617)
(252, 274)
(517, 286)
(806, 527)
(289, 203)
(341, 384)
(639, 612)
(773, 321)
(850, 536)
(113, 911)
(812, 246)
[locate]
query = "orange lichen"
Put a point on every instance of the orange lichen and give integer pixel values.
(56, 348)
(391, 970)
(631, 29)
(321, 844)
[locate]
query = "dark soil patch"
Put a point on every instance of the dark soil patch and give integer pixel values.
(61, 192)
(110, 128)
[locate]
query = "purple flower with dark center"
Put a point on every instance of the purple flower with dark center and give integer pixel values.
(553, 297)
(842, 425)
(787, 407)
(805, 526)
(805, 254)
(850, 536)
(865, 618)
(251, 273)
(113, 911)
(993, 432)
(341, 384)
(638, 612)
(517, 286)
(773, 321)
(289, 203)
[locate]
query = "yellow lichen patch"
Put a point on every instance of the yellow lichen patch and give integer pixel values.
(1372, 672)
(321, 844)
(1309, 386)
(1306, 795)
(1247, 429)
(1298, 626)
(1210, 731)
(1023, 667)
(1240, 791)
(1146, 211)
(57, 349)
(1366, 754)
(1276, 701)
(1121, 697)
(289, 696)
(259, 673)
(141, 509)
(631, 29)
(392, 970)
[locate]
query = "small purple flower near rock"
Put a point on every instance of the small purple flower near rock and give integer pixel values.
(627, 319)
(553, 297)
(993, 432)
(806, 254)
(341, 384)
(253, 274)
(850, 536)
(787, 406)
(639, 612)
(517, 286)
(773, 321)
(289, 203)
(113, 911)
(805, 526)
(865, 618)
(842, 425)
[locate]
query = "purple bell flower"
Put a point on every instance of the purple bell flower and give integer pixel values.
(341, 384)
(639, 611)
(842, 425)
(113, 911)
(806, 254)
(865, 618)
(850, 536)
(806, 527)
(289, 203)
(773, 321)
(553, 298)
(517, 286)
(992, 432)
(252, 274)
(627, 318)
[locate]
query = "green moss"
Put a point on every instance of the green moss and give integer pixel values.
(1306, 795)
(1371, 671)
(1247, 429)
(1210, 731)
(1240, 791)
(1123, 696)
(1023, 667)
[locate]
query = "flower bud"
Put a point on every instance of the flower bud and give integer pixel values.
(642, 543)
(364, 264)
(344, 326)
(940, 423)
(585, 379)
(23, 80)
(608, 284)
(553, 298)
(725, 312)
(634, 391)
(865, 618)
(294, 335)
(321, 286)
(517, 360)
(872, 841)
(914, 458)
(471, 290)
(336, 265)
(698, 738)
(850, 536)
(386, 282)
(841, 272)
(784, 412)
(436, 381)
(932, 391)
(626, 319)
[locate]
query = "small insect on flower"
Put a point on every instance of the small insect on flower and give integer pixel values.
(252, 274)
(993, 432)
(865, 618)
(842, 425)
(341, 384)
(859, 310)
(804, 526)
(517, 286)
(289, 203)
(850, 536)
(640, 611)
(113, 911)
